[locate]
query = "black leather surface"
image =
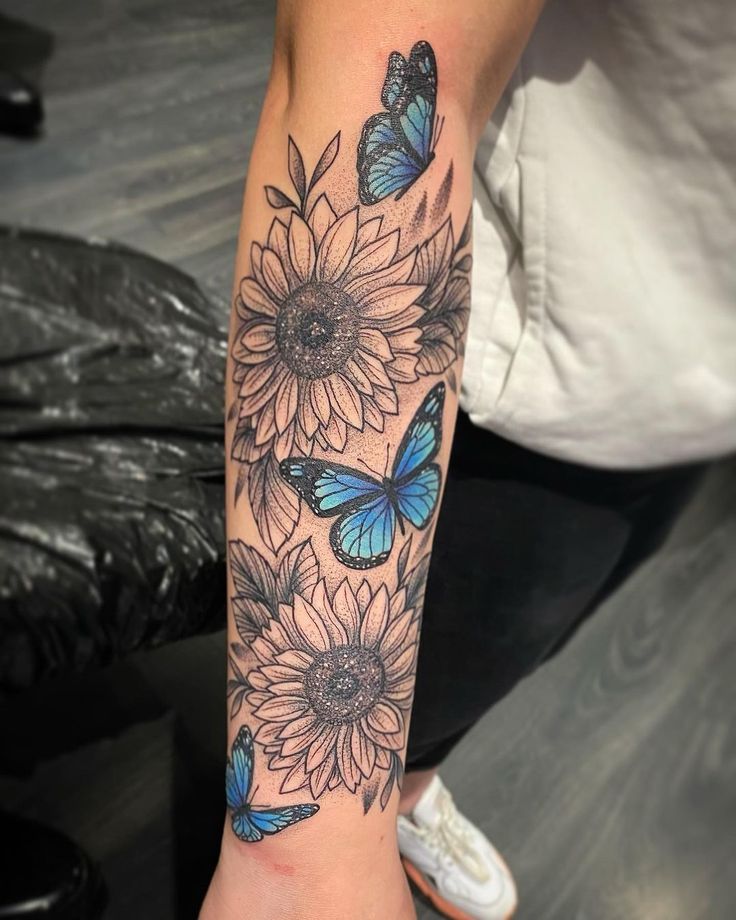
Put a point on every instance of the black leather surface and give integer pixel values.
(111, 456)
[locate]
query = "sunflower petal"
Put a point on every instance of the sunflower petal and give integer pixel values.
(337, 247)
(295, 779)
(375, 342)
(345, 763)
(321, 747)
(375, 256)
(256, 298)
(281, 709)
(295, 658)
(319, 779)
(336, 433)
(305, 413)
(273, 272)
(286, 403)
(345, 400)
(368, 232)
(398, 273)
(346, 610)
(390, 301)
(385, 717)
(301, 248)
(320, 401)
(363, 751)
(310, 625)
(298, 727)
(376, 617)
(321, 218)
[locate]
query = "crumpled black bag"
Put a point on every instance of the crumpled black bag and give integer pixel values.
(111, 455)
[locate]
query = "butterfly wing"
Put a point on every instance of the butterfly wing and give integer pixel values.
(390, 169)
(363, 538)
(329, 488)
(238, 779)
(273, 820)
(384, 164)
(239, 770)
(244, 828)
(396, 146)
(417, 496)
(421, 443)
(418, 107)
(252, 824)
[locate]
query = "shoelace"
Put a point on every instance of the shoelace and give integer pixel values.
(454, 841)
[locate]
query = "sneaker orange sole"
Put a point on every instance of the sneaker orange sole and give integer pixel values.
(422, 883)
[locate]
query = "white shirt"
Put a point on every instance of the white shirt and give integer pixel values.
(603, 325)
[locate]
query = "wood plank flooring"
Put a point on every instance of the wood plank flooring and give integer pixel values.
(608, 778)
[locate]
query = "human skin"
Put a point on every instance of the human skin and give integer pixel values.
(346, 342)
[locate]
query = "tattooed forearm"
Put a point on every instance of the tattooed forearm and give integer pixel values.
(341, 315)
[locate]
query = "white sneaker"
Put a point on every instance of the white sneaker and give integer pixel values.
(452, 862)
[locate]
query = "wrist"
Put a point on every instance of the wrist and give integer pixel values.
(267, 882)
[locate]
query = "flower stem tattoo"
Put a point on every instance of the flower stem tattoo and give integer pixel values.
(338, 322)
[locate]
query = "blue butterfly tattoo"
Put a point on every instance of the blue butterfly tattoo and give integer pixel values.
(370, 508)
(396, 146)
(252, 823)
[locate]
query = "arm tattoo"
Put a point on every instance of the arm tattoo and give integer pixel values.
(333, 677)
(337, 323)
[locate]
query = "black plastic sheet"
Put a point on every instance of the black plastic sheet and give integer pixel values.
(111, 455)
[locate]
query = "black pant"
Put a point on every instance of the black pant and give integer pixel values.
(526, 548)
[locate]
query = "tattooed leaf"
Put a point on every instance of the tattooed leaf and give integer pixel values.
(415, 584)
(403, 560)
(443, 195)
(370, 791)
(394, 778)
(420, 214)
(298, 573)
(464, 264)
(244, 445)
(467, 231)
(452, 380)
(325, 161)
(241, 480)
(277, 199)
(237, 703)
(252, 575)
(240, 651)
(296, 170)
(232, 412)
(433, 264)
(438, 349)
(275, 506)
(250, 617)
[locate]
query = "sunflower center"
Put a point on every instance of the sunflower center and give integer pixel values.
(317, 330)
(345, 683)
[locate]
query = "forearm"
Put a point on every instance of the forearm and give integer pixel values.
(351, 303)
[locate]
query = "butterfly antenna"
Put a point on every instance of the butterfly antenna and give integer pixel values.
(385, 469)
(369, 468)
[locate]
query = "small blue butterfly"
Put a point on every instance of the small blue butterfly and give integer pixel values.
(369, 508)
(249, 823)
(397, 145)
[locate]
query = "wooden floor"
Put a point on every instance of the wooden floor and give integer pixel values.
(608, 779)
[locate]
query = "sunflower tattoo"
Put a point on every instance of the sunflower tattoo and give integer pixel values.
(330, 321)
